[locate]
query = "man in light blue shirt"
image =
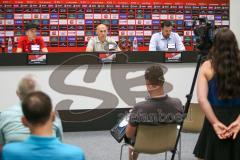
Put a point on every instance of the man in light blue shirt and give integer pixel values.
(166, 40)
(11, 127)
(40, 145)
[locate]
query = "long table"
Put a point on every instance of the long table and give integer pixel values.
(91, 58)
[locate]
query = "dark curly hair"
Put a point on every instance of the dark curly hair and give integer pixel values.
(225, 59)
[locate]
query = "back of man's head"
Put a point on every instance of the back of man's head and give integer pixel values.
(26, 85)
(37, 108)
(154, 75)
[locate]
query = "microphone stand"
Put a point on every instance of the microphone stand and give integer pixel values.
(200, 58)
(106, 47)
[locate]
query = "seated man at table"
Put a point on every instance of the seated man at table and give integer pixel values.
(40, 145)
(166, 40)
(11, 127)
(102, 43)
(159, 105)
(26, 43)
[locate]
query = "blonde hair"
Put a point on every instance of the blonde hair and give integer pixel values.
(27, 85)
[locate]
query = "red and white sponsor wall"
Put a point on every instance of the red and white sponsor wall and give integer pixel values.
(68, 25)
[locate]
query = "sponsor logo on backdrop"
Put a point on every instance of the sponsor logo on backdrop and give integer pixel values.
(156, 16)
(80, 33)
(88, 16)
(27, 16)
(9, 22)
(9, 33)
(71, 33)
(18, 16)
(62, 33)
(114, 16)
(44, 16)
(53, 33)
(131, 22)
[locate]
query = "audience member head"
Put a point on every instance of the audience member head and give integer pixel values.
(167, 28)
(37, 110)
(225, 59)
(102, 31)
(26, 85)
(31, 30)
(154, 80)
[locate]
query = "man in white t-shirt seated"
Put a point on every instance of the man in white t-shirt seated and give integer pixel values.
(102, 43)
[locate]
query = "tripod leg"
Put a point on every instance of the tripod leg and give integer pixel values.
(187, 104)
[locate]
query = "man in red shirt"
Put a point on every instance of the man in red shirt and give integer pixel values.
(25, 43)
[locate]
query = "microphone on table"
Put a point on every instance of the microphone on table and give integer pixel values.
(110, 46)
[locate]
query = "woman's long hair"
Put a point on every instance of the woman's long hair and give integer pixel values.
(225, 59)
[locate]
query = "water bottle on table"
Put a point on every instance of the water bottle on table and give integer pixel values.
(135, 44)
(10, 45)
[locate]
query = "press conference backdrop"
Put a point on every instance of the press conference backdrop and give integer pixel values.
(68, 25)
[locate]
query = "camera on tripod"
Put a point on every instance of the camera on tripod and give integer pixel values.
(204, 33)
